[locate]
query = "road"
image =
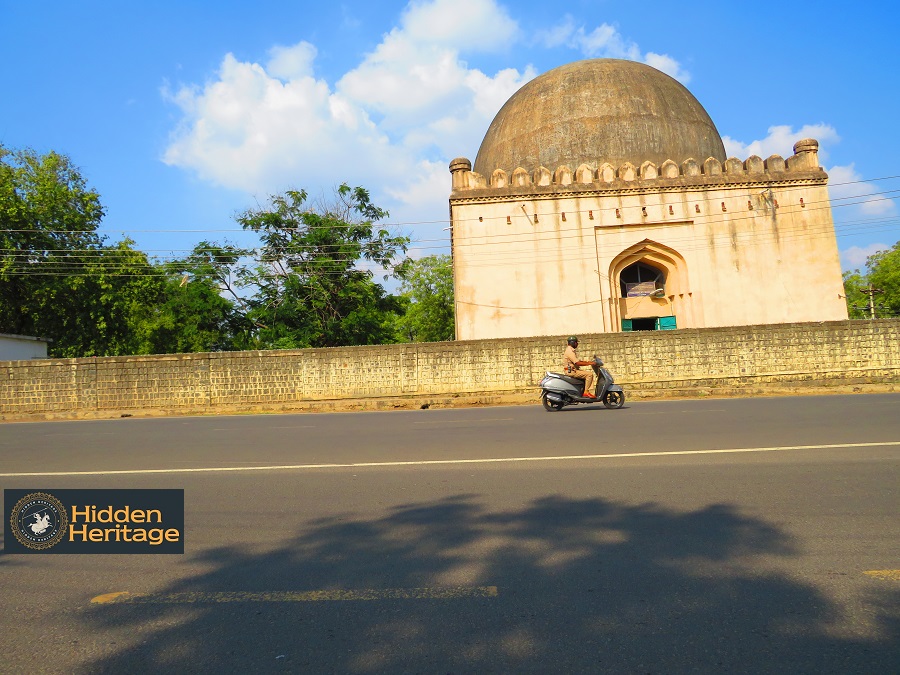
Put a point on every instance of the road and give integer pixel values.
(751, 535)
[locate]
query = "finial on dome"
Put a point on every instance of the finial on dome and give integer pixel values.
(460, 164)
(806, 145)
(806, 155)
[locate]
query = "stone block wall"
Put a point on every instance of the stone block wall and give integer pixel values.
(732, 357)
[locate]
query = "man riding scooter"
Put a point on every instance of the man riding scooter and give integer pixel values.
(572, 365)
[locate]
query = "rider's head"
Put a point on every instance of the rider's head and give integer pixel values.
(572, 341)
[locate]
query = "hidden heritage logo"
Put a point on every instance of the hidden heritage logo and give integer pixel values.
(93, 521)
(38, 521)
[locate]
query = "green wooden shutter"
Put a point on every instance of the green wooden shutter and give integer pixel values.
(666, 323)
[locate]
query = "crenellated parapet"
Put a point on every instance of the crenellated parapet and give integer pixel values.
(803, 164)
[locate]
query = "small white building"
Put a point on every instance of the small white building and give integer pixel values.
(22, 347)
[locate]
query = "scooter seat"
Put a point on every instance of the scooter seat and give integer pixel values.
(566, 378)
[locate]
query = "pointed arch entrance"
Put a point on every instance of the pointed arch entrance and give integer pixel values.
(650, 289)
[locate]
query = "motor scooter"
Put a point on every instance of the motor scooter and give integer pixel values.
(559, 390)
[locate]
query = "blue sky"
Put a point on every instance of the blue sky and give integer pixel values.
(183, 113)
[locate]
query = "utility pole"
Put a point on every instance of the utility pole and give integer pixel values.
(871, 291)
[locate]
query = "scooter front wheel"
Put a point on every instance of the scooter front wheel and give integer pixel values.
(550, 406)
(614, 399)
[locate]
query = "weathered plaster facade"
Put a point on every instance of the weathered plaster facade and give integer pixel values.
(722, 244)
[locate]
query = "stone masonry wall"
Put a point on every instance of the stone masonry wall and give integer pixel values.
(733, 357)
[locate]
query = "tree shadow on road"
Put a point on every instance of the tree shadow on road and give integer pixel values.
(583, 586)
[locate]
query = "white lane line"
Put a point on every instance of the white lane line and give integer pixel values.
(429, 462)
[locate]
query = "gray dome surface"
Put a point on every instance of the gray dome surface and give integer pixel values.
(596, 111)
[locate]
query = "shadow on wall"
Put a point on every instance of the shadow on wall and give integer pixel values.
(584, 586)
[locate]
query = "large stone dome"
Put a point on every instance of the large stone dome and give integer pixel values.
(596, 111)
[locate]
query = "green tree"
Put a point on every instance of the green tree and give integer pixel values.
(195, 315)
(428, 288)
(102, 306)
(881, 279)
(57, 278)
(884, 274)
(857, 301)
(313, 286)
(48, 222)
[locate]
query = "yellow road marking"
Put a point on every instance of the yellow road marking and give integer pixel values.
(443, 593)
(109, 597)
(432, 462)
(888, 575)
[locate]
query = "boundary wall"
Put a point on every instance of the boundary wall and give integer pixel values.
(738, 359)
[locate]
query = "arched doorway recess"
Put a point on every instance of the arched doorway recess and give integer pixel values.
(649, 288)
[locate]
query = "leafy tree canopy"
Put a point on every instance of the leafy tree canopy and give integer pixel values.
(880, 282)
(48, 222)
(311, 283)
(314, 282)
(57, 278)
(428, 288)
(200, 310)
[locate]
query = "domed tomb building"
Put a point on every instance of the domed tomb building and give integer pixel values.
(601, 200)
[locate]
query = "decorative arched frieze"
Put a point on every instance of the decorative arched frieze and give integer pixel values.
(690, 167)
(627, 172)
(775, 164)
(712, 167)
(542, 176)
(606, 173)
(649, 171)
(520, 178)
(734, 166)
(563, 175)
(754, 164)
(669, 169)
(584, 174)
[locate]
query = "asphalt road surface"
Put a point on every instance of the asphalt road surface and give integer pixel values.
(756, 535)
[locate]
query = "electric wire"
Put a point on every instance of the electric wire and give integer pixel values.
(79, 259)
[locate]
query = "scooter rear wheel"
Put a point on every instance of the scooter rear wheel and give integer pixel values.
(550, 406)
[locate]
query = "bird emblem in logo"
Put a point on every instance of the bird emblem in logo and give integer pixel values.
(39, 521)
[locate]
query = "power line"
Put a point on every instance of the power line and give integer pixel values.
(472, 240)
(113, 257)
(387, 223)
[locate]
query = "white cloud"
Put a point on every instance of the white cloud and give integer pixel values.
(780, 141)
(466, 25)
(407, 108)
(606, 41)
(558, 35)
(855, 256)
(846, 187)
(668, 65)
(416, 78)
(250, 131)
(291, 63)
